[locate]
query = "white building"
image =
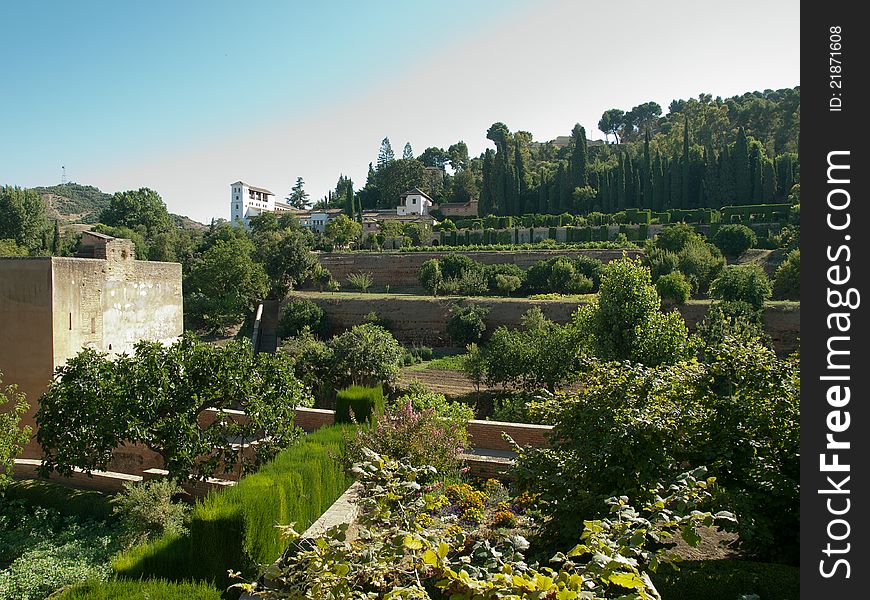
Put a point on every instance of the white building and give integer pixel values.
(414, 202)
(248, 201)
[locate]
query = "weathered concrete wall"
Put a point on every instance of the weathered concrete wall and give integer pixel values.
(25, 328)
(400, 270)
(423, 320)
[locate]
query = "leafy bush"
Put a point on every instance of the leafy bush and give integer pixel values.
(422, 399)
(364, 355)
(540, 354)
(632, 425)
(674, 288)
(466, 324)
(674, 238)
(579, 284)
(561, 273)
(724, 579)
(454, 265)
(627, 324)
(735, 239)
(359, 404)
(700, 262)
(12, 437)
(737, 320)
(743, 283)
(360, 281)
(430, 276)
(235, 528)
(471, 283)
(408, 553)
(419, 437)
(787, 279)
(147, 511)
(590, 268)
(128, 398)
(300, 313)
(152, 589)
(507, 284)
(660, 262)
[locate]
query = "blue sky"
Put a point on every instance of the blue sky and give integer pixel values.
(187, 97)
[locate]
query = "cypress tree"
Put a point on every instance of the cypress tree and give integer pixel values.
(726, 178)
(647, 174)
(755, 153)
(676, 183)
(349, 207)
(666, 184)
(630, 184)
(542, 193)
(685, 197)
(784, 175)
(579, 176)
(768, 181)
(620, 184)
(657, 184)
(485, 204)
(55, 239)
(742, 176)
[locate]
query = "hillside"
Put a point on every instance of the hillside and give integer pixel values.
(75, 203)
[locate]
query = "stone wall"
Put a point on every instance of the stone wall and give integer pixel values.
(400, 270)
(423, 321)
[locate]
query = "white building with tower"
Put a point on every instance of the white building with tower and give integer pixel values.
(248, 201)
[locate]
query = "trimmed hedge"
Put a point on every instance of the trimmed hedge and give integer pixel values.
(153, 589)
(726, 580)
(365, 403)
(86, 504)
(235, 528)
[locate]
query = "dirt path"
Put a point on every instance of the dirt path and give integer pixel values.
(450, 383)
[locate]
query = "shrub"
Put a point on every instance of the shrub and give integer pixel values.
(430, 276)
(589, 267)
(466, 324)
(675, 237)
(359, 404)
(674, 288)
(626, 322)
(422, 399)
(126, 400)
(561, 273)
(153, 589)
(419, 437)
(472, 283)
(579, 284)
(492, 272)
(364, 355)
(300, 313)
(744, 283)
(507, 284)
(541, 354)
(85, 504)
(147, 511)
(737, 320)
(787, 280)
(361, 281)
(734, 239)
(454, 265)
(538, 277)
(12, 437)
(700, 262)
(632, 425)
(235, 528)
(660, 262)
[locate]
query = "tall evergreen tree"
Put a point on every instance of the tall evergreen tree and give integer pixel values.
(768, 181)
(486, 204)
(685, 197)
(385, 154)
(755, 160)
(621, 183)
(579, 153)
(407, 153)
(349, 207)
(742, 175)
(646, 174)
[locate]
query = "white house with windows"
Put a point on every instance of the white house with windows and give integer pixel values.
(248, 201)
(414, 202)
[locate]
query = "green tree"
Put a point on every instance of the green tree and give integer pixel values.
(385, 154)
(742, 174)
(141, 210)
(466, 324)
(9, 247)
(12, 436)
(734, 239)
(22, 217)
(341, 231)
(430, 275)
(159, 396)
(298, 197)
(742, 283)
(364, 355)
(787, 280)
(301, 313)
(224, 284)
(408, 152)
(286, 257)
(612, 122)
(458, 156)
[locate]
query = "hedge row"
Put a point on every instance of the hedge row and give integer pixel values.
(761, 213)
(154, 589)
(358, 404)
(235, 527)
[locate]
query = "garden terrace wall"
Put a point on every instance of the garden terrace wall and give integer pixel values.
(400, 270)
(418, 320)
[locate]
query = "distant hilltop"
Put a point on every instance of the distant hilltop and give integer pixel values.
(76, 203)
